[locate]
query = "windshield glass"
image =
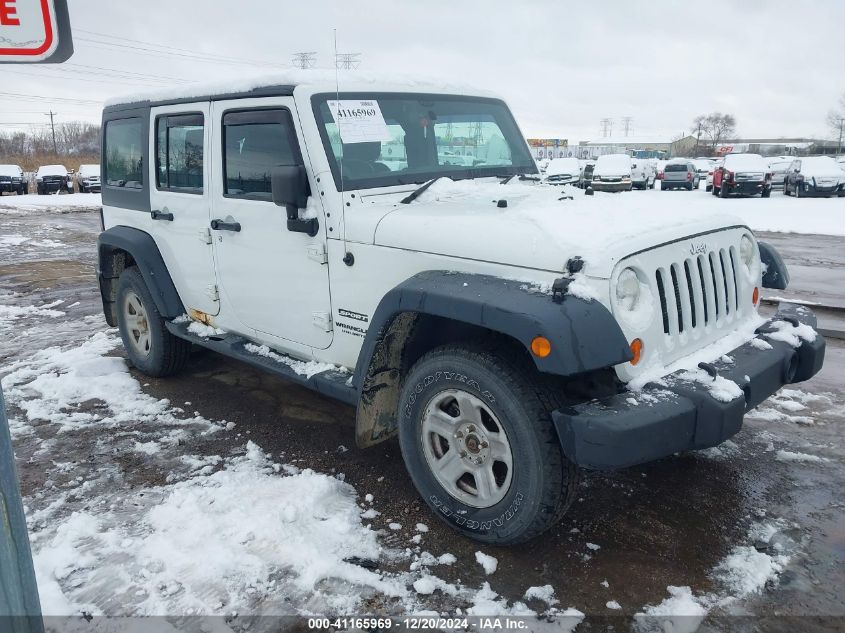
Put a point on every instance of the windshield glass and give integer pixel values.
(397, 139)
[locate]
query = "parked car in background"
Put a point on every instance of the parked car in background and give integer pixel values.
(703, 166)
(779, 168)
(612, 173)
(53, 179)
(563, 171)
(742, 174)
(814, 176)
(679, 174)
(12, 180)
(643, 173)
(708, 184)
(88, 179)
(660, 165)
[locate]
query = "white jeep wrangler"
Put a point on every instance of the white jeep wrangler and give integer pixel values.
(508, 334)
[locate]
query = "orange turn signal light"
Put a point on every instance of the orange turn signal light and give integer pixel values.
(541, 346)
(636, 350)
(755, 297)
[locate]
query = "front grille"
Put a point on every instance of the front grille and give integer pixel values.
(698, 291)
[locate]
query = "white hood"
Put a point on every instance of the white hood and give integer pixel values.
(538, 230)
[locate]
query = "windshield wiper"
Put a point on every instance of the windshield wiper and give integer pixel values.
(418, 192)
(510, 177)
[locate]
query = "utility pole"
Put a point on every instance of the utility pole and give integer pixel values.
(698, 140)
(606, 124)
(51, 114)
(626, 121)
(841, 122)
(347, 61)
(305, 60)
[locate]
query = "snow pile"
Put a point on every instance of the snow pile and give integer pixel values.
(197, 547)
(53, 383)
(489, 563)
(789, 456)
(10, 313)
(792, 334)
(303, 368)
(68, 203)
(681, 612)
(746, 570)
(546, 593)
(720, 388)
(203, 330)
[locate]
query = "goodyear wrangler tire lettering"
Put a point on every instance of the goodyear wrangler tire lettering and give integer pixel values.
(529, 490)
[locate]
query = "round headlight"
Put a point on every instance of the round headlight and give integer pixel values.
(627, 289)
(746, 251)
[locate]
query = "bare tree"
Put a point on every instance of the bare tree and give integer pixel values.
(76, 143)
(714, 128)
(836, 121)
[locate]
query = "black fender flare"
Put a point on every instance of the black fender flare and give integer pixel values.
(775, 275)
(142, 248)
(584, 335)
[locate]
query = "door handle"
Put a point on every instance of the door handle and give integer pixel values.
(161, 215)
(220, 225)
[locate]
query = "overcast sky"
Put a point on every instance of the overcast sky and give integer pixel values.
(778, 66)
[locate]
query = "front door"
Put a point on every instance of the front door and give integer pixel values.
(273, 280)
(180, 201)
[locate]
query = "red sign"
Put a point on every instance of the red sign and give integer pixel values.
(34, 31)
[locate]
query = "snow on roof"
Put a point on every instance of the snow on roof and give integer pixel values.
(53, 170)
(820, 166)
(323, 79)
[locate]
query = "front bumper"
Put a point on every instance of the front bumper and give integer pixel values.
(816, 190)
(599, 185)
(679, 414)
(744, 188)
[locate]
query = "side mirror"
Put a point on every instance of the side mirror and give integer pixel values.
(289, 186)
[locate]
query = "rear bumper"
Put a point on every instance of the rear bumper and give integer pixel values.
(679, 414)
(676, 184)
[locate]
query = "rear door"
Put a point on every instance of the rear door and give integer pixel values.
(180, 201)
(273, 280)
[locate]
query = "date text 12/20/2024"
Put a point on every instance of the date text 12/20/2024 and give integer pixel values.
(420, 623)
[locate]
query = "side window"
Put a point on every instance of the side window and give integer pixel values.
(124, 154)
(254, 142)
(179, 152)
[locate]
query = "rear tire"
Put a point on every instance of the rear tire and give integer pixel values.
(478, 441)
(708, 188)
(149, 344)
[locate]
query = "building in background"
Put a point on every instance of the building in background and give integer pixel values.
(545, 148)
(779, 146)
(637, 146)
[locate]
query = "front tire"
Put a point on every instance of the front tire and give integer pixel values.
(478, 441)
(149, 344)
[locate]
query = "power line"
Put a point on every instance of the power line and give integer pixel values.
(41, 74)
(174, 48)
(305, 60)
(347, 61)
(28, 97)
(170, 54)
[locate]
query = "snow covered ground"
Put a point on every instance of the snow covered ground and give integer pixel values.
(64, 203)
(142, 505)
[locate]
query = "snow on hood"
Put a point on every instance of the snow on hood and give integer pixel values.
(10, 170)
(52, 170)
(820, 167)
(538, 229)
(613, 165)
(746, 162)
(568, 166)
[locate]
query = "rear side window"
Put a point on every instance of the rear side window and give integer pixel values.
(254, 142)
(124, 154)
(179, 153)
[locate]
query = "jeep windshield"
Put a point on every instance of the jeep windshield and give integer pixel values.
(388, 139)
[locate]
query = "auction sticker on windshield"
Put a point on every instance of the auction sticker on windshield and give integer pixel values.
(34, 31)
(358, 121)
